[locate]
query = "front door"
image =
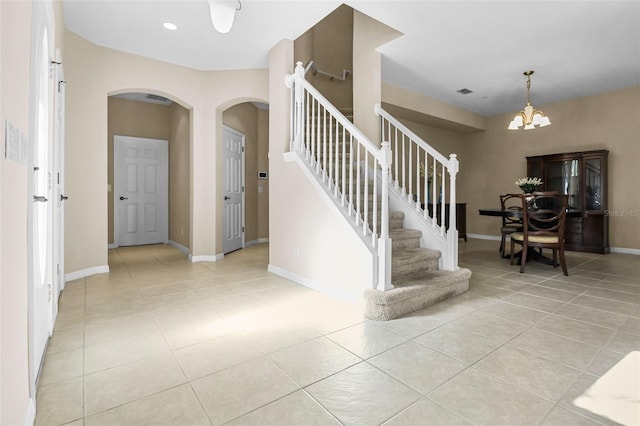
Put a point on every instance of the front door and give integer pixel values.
(141, 213)
(233, 217)
(40, 212)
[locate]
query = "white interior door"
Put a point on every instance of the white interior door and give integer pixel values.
(233, 216)
(140, 191)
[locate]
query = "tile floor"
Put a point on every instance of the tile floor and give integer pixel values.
(162, 341)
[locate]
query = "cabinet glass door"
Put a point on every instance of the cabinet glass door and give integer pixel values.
(593, 184)
(564, 176)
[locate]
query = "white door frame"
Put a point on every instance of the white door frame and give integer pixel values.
(58, 186)
(117, 191)
(226, 128)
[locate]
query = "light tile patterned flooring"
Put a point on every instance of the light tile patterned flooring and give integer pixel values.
(162, 341)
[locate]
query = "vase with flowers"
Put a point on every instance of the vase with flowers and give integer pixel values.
(528, 184)
(430, 175)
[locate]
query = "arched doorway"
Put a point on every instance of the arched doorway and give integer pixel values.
(250, 119)
(150, 115)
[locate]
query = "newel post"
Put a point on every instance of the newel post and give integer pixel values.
(452, 233)
(299, 99)
(384, 242)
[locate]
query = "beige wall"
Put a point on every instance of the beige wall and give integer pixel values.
(368, 35)
(263, 165)
(94, 73)
(496, 158)
(15, 39)
(416, 107)
(245, 118)
(179, 175)
(329, 44)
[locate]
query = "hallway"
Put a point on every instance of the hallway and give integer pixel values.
(161, 340)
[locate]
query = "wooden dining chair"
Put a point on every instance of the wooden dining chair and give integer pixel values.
(511, 205)
(544, 216)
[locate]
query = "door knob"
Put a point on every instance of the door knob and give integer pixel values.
(63, 197)
(123, 198)
(226, 198)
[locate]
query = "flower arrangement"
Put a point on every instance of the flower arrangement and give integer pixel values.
(429, 172)
(528, 184)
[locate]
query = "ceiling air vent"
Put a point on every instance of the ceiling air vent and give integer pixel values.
(464, 91)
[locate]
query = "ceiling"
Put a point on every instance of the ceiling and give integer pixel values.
(577, 48)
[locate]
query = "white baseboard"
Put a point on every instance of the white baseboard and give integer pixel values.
(309, 283)
(254, 242)
(102, 269)
(30, 416)
(624, 250)
(484, 237)
(206, 258)
(180, 247)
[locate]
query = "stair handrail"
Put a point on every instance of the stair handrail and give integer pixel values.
(317, 147)
(402, 178)
(312, 66)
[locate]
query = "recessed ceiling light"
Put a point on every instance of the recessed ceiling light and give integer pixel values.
(170, 26)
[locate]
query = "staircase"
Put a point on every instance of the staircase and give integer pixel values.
(417, 280)
(377, 191)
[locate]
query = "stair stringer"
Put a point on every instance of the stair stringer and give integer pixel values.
(326, 194)
(432, 235)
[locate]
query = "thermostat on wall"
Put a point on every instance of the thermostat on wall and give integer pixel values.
(262, 175)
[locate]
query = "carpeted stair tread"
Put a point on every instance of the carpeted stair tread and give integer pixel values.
(415, 292)
(402, 233)
(413, 255)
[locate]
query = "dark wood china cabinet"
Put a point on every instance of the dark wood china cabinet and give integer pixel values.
(583, 177)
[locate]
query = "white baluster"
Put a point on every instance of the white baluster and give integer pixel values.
(395, 149)
(344, 166)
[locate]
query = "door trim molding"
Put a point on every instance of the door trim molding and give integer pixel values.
(116, 171)
(244, 183)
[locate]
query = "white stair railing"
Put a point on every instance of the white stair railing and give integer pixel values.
(353, 170)
(419, 177)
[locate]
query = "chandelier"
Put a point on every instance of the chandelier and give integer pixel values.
(529, 117)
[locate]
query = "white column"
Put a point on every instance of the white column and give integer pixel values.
(384, 242)
(452, 235)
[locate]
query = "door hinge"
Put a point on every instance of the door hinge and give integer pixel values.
(243, 149)
(243, 229)
(243, 189)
